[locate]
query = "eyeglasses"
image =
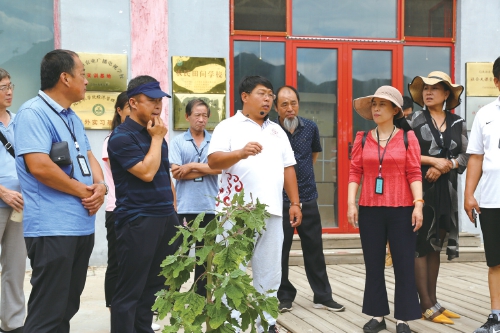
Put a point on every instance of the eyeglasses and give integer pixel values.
(263, 95)
(7, 87)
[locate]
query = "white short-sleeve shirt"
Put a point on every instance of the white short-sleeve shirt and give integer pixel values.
(261, 175)
(484, 140)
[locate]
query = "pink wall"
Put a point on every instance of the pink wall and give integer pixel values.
(57, 25)
(149, 43)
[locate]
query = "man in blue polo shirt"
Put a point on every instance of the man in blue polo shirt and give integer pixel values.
(145, 215)
(60, 202)
(304, 139)
(196, 183)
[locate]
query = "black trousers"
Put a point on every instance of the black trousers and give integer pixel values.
(199, 269)
(376, 226)
(59, 273)
(142, 245)
(312, 247)
(111, 276)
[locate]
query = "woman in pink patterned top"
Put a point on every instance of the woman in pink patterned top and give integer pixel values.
(387, 161)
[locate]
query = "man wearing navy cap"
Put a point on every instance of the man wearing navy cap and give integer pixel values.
(145, 214)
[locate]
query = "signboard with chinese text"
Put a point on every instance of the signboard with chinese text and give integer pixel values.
(479, 79)
(480, 88)
(203, 78)
(472, 105)
(216, 103)
(105, 72)
(199, 75)
(97, 109)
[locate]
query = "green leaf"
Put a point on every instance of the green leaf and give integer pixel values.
(169, 260)
(228, 259)
(235, 294)
(226, 328)
(190, 304)
(198, 234)
(217, 315)
(202, 254)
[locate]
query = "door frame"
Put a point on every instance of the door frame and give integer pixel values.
(344, 104)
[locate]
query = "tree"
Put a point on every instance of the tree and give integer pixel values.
(229, 243)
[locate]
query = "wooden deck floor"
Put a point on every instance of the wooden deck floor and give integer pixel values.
(462, 288)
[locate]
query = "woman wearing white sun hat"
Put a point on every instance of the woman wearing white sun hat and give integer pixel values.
(387, 161)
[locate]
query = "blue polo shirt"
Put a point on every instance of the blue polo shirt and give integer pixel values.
(49, 212)
(8, 174)
(304, 141)
(193, 197)
(128, 145)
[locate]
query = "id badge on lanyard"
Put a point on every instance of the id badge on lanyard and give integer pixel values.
(84, 167)
(379, 181)
(379, 185)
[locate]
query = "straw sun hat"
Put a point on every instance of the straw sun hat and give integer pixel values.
(416, 88)
(363, 105)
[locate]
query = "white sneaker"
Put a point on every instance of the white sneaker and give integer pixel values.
(155, 327)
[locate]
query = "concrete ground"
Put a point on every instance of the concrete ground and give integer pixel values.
(93, 315)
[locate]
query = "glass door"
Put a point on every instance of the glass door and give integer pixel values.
(370, 69)
(328, 76)
(317, 80)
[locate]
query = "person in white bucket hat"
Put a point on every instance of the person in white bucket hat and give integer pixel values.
(387, 162)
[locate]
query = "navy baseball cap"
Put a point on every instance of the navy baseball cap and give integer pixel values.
(150, 89)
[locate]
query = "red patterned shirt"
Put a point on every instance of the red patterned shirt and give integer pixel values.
(400, 168)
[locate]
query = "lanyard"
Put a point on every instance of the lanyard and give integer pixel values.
(380, 159)
(197, 152)
(439, 128)
(77, 146)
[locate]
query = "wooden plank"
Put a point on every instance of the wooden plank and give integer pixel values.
(462, 287)
(294, 324)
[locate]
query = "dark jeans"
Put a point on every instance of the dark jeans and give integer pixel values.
(111, 276)
(199, 270)
(309, 232)
(142, 245)
(376, 226)
(59, 266)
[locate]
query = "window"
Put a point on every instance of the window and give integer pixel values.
(27, 34)
(429, 18)
(421, 60)
(341, 18)
(260, 15)
(257, 58)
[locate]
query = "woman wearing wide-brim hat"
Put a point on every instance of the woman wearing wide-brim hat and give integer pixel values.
(387, 161)
(442, 136)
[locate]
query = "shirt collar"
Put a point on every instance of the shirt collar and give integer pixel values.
(12, 115)
(189, 137)
(53, 103)
(497, 101)
(134, 125)
(241, 117)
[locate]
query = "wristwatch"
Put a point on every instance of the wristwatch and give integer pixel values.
(105, 185)
(298, 204)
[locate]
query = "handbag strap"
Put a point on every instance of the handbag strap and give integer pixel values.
(7, 145)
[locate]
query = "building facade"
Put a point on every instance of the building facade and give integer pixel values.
(332, 50)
